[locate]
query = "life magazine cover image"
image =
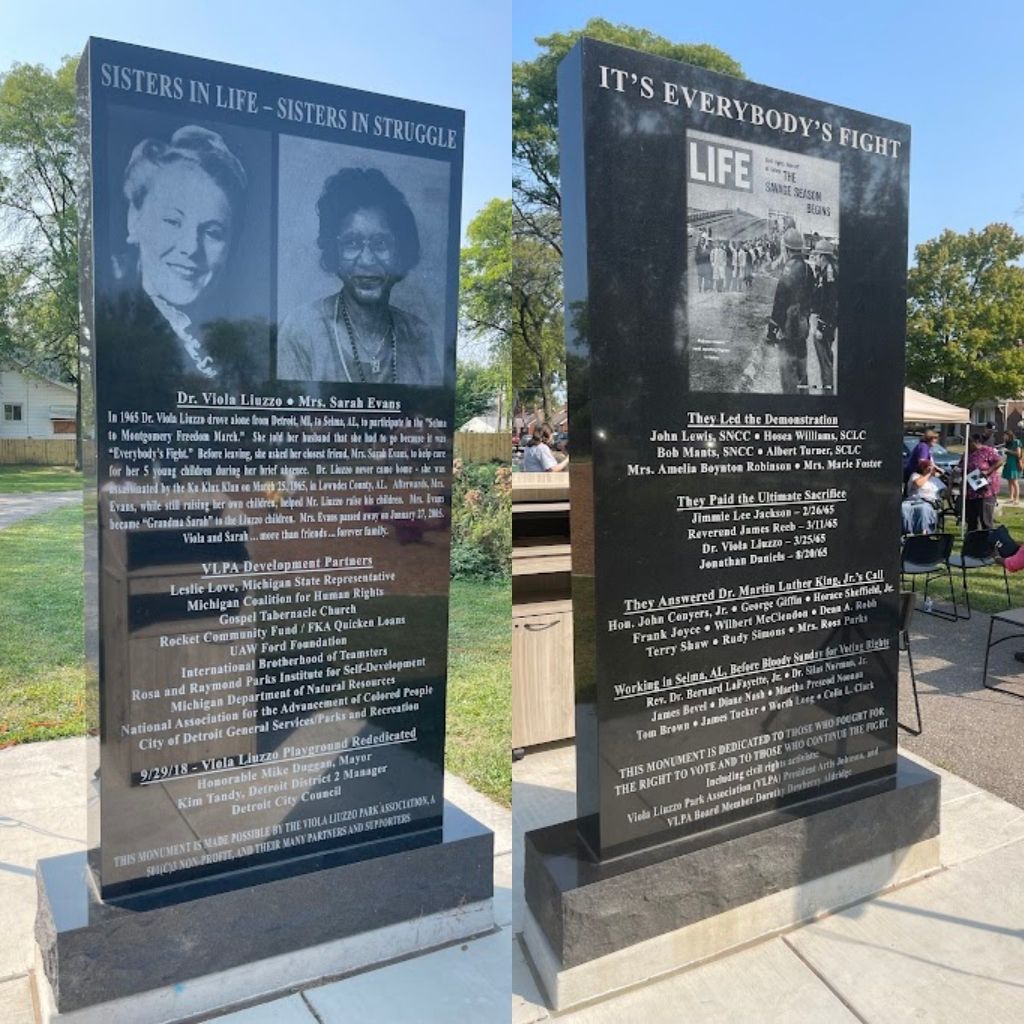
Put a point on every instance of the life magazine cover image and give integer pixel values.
(763, 268)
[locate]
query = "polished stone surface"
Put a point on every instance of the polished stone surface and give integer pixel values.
(735, 535)
(268, 416)
(95, 952)
(589, 909)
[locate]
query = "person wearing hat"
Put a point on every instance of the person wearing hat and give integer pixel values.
(922, 452)
(825, 308)
(790, 321)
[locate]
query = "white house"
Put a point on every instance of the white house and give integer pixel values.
(33, 406)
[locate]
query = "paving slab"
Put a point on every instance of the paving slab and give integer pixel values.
(946, 950)
(497, 818)
(543, 793)
(290, 1010)
(16, 1005)
(42, 814)
(765, 984)
(968, 730)
(468, 982)
(528, 1005)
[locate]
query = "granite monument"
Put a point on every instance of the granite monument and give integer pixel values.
(269, 294)
(735, 262)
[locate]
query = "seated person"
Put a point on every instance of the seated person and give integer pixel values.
(538, 457)
(920, 508)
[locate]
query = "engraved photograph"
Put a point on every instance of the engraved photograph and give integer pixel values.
(763, 268)
(183, 272)
(363, 253)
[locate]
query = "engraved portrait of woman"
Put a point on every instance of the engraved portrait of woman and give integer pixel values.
(368, 239)
(163, 325)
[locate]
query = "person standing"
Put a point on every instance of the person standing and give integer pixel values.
(1012, 466)
(825, 307)
(791, 311)
(718, 266)
(983, 463)
(702, 259)
(921, 452)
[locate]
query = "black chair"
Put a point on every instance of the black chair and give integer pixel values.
(906, 613)
(976, 553)
(927, 555)
(1007, 618)
(950, 506)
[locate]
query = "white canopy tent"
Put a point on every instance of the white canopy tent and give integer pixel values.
(922, 408)
(478, 426)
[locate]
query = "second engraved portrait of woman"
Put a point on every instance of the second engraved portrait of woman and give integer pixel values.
(361, 271)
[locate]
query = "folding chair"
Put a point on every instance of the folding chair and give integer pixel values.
(976, 553)
(1007, 618)
(927, 555)
(906, 613)
(950, 507)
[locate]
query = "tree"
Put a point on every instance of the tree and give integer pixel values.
(39, 168)
(484, 276)
(486, 308)
(965, 316)
(538, 339)
(475, 388)
(535, 182)
(538, 357)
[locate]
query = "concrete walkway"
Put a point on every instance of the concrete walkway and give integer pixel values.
(14, 507)
(969, 730)
(945, 950)
(42, 813)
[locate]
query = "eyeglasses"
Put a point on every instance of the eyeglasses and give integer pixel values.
(382, 247)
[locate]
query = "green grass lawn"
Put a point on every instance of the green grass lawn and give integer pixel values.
(42, 658)
(479, 746)
(26, 479)
(42, 651)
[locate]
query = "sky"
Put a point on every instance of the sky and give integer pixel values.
(952, 71)
(449, 52)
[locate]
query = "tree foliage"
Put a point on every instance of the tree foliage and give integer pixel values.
(475, 388)
(484, 275)
(965, 316)
(538, 340)
(39, 171)
(535, 106)
(538, 352)
(485, 271)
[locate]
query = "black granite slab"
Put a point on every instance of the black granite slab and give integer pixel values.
(269, 292)
(588, 908)
(736, 426)
(95, 951)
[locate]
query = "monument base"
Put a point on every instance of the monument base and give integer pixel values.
(594, 928)
(154, 961)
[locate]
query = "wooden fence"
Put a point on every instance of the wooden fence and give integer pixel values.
(472, 447)
(19, 451)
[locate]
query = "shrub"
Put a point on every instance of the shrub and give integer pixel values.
(481, 521)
